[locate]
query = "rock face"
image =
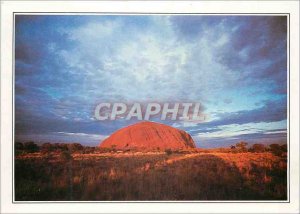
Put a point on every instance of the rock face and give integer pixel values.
(149, 136)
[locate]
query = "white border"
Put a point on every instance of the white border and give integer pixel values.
(160, 201)
(8, 8)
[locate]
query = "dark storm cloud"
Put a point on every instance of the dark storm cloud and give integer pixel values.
(28, 52)
(271, 111)
(257, 49)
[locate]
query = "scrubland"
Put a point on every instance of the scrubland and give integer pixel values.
(197, 174)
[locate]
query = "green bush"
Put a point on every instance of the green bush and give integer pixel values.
(65, 156)
(31, 147)
(276, 149)
(75, 147)
(47, 147)
(168, 151)
(257, 148)
(241, 146)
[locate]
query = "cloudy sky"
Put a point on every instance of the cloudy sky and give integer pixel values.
(236, 66)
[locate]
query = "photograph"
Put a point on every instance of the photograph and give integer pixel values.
(150, 107)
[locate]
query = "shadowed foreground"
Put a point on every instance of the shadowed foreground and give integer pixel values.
(150, 176)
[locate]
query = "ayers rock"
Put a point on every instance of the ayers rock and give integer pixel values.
(149, 136)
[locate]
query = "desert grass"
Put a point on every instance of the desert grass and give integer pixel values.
(126, 176)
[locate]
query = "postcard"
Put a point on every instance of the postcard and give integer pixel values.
(149, 107)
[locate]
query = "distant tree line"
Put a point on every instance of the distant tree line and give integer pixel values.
(276, 149)
(31, 147)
